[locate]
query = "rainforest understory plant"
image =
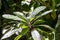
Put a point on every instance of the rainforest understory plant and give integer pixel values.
(34, 24)
(29, 24)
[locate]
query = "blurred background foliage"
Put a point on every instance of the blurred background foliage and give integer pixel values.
(10, 6)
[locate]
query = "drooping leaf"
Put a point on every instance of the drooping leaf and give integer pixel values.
(58, 22)
(46, 26)
(5, 29)
(42, 31)
(35, 34)
(57, 32)
(22, 25)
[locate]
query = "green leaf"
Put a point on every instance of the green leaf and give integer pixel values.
(24, 31)
(57, 33)
(58, 22)
(41, 31)
(45, 13)
(31, 19)
(36, 11)
(21, 15)
(24, 26)
(46, 26)
(8, 16)
(53, 4)
(38, 22)
(19, 24)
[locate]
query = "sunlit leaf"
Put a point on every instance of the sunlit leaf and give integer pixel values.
(4, 30)
(17, 33)
(11, 32)
(31, 19)
(20, 15)
(36, 11)
(24, 26)
(35, 34)
(45, 13)
(8, 16)
(18, 37)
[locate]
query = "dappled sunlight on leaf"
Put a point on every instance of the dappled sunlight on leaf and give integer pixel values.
(8, 16)
(35, 34)
(36, 11)
(10, 33)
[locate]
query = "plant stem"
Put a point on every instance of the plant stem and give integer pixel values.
(29, 24)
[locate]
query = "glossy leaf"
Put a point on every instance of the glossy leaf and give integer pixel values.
(11, 32)
(24, 26)
(36, 11)
(35, 34)
(20, 15)
(8, 16)
(45, 13)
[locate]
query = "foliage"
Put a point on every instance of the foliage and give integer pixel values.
(30, 19)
